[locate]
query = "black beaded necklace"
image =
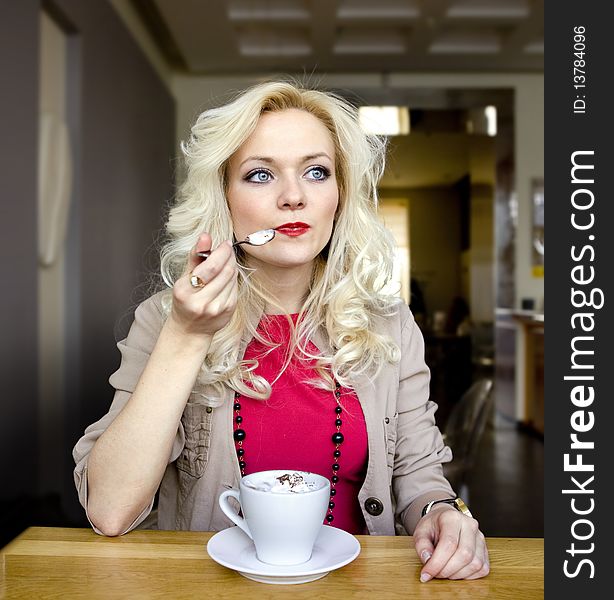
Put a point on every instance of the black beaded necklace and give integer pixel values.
(337, 438)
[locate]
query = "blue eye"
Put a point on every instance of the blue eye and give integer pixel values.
(259, 176)
(318, 173)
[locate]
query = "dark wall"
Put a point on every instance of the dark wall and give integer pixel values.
(18, 304)
(127, 140)
(122, 127)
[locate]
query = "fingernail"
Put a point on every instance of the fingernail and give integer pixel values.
(424, 577)
(425, 556)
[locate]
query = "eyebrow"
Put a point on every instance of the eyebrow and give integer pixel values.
(269, 160)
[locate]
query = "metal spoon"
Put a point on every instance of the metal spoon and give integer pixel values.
(258, 238)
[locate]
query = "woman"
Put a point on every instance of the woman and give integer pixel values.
(260, 359)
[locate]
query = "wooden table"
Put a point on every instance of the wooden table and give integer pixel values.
(76, 563)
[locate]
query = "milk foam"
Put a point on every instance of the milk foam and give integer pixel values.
(287, 483)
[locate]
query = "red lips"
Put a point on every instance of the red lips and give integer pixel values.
(293, 229)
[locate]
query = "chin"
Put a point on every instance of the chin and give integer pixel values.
(288, 261)
(287, 257)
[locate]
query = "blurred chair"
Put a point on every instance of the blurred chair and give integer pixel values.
(463, 431)
(483, 349)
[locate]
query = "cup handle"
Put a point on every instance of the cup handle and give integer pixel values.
(230, 513)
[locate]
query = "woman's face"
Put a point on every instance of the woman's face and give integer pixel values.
(283, 178)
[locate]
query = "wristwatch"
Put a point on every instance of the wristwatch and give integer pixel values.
(457, 503)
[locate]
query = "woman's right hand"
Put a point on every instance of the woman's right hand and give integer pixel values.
(204, 311)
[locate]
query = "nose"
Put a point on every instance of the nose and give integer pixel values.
(291, 195)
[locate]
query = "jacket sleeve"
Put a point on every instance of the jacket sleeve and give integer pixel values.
(135, 350)
(420, 450)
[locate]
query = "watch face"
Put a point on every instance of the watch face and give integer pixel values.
(458, 502)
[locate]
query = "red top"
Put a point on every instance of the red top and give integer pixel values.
(293, 428)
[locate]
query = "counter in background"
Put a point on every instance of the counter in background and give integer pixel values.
(519, 363)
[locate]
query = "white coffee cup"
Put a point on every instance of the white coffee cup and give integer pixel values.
(284, 525)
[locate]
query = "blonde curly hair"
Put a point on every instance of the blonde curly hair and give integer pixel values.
(345, 295)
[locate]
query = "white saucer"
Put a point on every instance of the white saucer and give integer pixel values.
(333, 549)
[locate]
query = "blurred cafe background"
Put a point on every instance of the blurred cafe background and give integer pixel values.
(96, 97)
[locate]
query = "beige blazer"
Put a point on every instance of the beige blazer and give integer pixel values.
(405, 448)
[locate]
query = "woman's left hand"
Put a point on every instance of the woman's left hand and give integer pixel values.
(450, 545)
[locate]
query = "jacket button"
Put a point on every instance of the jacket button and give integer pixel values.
(374, 506)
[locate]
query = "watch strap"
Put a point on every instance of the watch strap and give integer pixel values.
(457, 503)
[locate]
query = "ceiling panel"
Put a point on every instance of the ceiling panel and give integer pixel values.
(239, 36)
